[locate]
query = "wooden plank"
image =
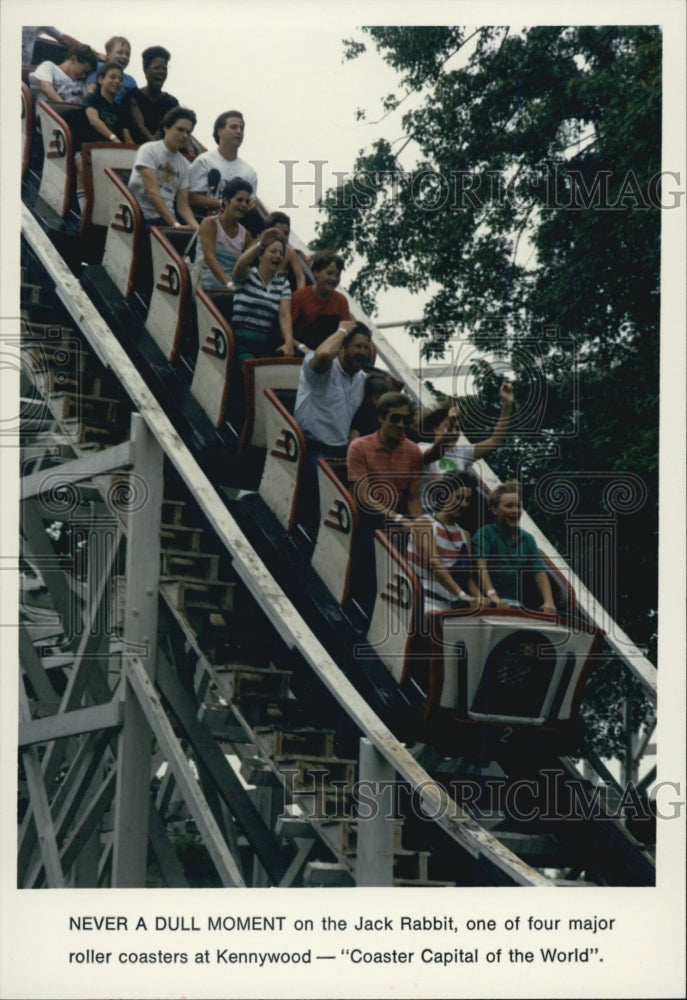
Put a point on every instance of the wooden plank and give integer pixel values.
(152, 708)
(65, 724)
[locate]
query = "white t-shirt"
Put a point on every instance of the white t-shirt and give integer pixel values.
(172, 175)
(67, 89)
(455, 458)
(210, 171)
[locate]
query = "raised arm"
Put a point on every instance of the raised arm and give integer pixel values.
(498, 435)
(329, 348)
(251, 253)
(446, 434)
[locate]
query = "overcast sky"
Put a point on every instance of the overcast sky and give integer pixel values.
(282, 65)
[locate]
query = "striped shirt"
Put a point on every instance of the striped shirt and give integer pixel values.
(451, 543)
(256, 305)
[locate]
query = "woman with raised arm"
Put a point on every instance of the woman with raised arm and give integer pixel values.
(262, 300)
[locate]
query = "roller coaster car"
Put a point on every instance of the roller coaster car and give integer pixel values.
(494, 682)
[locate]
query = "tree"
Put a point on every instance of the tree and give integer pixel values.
(531, 218)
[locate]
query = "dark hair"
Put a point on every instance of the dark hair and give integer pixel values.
(85, 54)
(105, 68)
(390, 400)
(377, 385)
(440, 491)
(174, 114)
(323, 258)
(432, 418)
(116, 40)
(222, 120)
(277, 218)
(233, 187)
(154, 52)
(358, 328)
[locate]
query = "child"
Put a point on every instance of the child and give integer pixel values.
(317, 310)
(505, 553)
(64, 83)
(117, 49)
(103, 119)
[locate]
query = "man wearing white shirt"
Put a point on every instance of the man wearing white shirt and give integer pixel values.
(210, 171)
(159, 180)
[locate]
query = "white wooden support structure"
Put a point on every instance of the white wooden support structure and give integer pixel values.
(374, 864)
(140, 630)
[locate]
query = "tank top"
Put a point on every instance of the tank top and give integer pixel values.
(228, 249)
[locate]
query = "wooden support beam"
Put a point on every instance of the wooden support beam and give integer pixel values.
(93, 464)
(148, 699)
(130, 856)
(228, 785)
(59, 727)
(47, 841)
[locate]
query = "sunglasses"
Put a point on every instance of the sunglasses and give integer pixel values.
(400, 418)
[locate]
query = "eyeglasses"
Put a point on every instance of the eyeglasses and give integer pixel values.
(400, 418)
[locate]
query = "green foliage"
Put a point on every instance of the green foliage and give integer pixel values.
(533, 207)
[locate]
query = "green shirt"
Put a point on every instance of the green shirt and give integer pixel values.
(508, 557)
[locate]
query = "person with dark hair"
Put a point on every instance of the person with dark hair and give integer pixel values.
(383, 473)
(262, 300)
(64, 83)
(317, 310)
(211, 170)
(365, 419)
(506, 554)
(441, 451)
(148, 105)
(331, 386)
(102, 119)
(160, 177)
(222, 237)
(291, 267)
(439, 548)
(117, 49)
(384, 467)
